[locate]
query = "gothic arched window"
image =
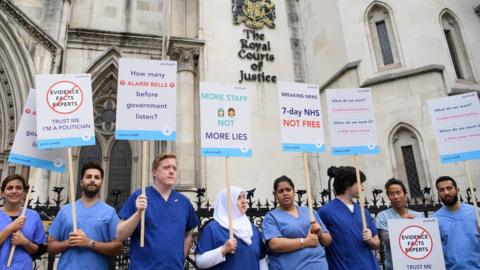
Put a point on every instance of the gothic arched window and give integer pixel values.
(382, 35)
(456, 47)
(409, 164)
(120, 172)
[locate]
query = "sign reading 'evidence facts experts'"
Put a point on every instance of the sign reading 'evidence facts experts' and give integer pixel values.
(64, 110)
(225, 120)
(147, 100)
(416, 244)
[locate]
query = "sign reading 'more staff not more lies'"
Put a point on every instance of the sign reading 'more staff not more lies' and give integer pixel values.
(24, 149)
(225, 120)
(352, 122)
(456, 124)
(147, 100)
(300, 117)
(64, 110)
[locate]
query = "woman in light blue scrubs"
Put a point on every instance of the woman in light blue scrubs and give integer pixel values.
(293, 241)
(26, 232)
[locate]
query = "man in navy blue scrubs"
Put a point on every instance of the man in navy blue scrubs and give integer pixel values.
(169, 220)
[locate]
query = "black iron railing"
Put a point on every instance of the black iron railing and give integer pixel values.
(258, 208)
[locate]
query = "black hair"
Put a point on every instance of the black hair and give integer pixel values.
(12, 177)
(344, 177)
(393, 181)
(281, 179)
(91, 165)
(445, 178)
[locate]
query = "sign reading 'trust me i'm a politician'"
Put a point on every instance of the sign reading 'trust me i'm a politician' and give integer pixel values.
(64, 110)
(147, 100)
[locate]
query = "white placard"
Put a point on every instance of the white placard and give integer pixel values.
(225, 120)
(64, 110)
(456, 124)
(415, 244)
(24, 149)
(300, 117)
(352, 122)
(147, 100)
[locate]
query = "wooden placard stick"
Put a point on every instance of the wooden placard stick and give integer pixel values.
(361, 195)
(228, 172)
(472, 189)
(144, 186)
(307, 186)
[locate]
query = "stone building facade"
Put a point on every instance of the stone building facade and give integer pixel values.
(406, 51)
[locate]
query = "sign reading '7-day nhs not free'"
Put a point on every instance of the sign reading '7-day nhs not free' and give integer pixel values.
(147, 99)
(300, 117)
(64, 110)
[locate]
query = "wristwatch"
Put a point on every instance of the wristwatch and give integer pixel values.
(92, 244)
(302, 243)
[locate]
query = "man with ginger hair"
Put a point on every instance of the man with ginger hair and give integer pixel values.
(169, 220)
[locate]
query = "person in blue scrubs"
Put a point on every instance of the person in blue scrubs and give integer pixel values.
(95, 238)
(293, 240)
(352, 246)
(26, 232)
(459, 229)
(215, 249)
(169, 220)
(397, 193)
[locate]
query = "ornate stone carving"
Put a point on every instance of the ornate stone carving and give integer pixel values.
(104, 115)
(186, 58)
(8, 102)
(34, 30)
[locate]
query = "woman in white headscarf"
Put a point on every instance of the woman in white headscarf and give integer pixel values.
(216, 251)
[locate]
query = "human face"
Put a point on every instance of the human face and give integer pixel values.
(242, 203)
(13, 192)
(447, 192)
(166, 172)
(91, 183)
(285, 195)
(396, 196)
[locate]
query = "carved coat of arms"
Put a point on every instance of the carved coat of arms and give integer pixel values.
(254, 13)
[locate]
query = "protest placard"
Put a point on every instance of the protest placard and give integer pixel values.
(300, 117)
(352, 122)
(24, 149)
(456, 124)
(146, 100)
(64, 110)
(415, 244)
(225, 120)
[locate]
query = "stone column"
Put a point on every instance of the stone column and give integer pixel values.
(185, 143)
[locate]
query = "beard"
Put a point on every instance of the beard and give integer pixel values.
(450, 200)
(90, 193)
